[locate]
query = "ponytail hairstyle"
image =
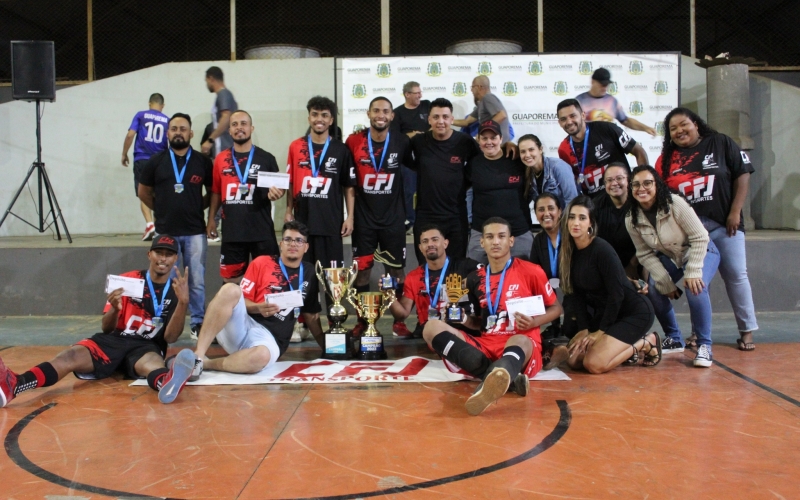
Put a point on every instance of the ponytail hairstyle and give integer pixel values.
(529, 170)
(568, 245)
(668, 147)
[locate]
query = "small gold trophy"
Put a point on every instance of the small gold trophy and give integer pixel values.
(456, 290)
(337, 282)
(371, 306)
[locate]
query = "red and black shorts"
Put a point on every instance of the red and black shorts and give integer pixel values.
(234, 257)
(492, 346)
(386, 246)
(111, 354)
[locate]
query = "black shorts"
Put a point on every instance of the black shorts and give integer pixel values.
(137, 175)
(234, 257)
(111, 354)
(326, 250)
(392, 243)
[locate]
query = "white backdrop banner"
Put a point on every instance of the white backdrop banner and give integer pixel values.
(529, 85)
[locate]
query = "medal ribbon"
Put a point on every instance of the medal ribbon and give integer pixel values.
(379, 166)
(242, 176)
(314, 169)
(158, 307)
(554, 254)
(179, 176)
(493, 307)
(585, 146)
(435, 298)
(286, 275)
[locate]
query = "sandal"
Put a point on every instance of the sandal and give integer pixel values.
(745, 346)
(651, 360)
(633, 359)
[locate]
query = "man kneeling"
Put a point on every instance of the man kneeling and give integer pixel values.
(253, 331)
(135, 335)
(508, 351)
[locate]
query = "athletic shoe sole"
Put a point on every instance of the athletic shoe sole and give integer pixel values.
(703, 363)
(521, 385)
(179, 373)
(493, 387)
(672, 351)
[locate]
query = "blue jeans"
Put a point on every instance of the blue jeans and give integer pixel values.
(699, 305)
(193, 256)
(733, 269)
(409, 189)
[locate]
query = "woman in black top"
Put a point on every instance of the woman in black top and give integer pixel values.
(547, 246)
(621, 317)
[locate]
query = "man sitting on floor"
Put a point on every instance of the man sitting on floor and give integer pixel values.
(508, 351)
(134, 339)
(254, 331)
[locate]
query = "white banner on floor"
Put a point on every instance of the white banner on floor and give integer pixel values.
(325, 371)
(530, 86)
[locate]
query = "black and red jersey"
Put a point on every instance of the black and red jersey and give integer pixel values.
(522, 279)
(704, 175)
(136, 316)
(248, 216)
(265, 276)
(457, 271)
(318, 201)
(607, 143)
(379, 194)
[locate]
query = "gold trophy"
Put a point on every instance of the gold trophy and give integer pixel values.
(371, 306)
(456, 290)
(337, 282)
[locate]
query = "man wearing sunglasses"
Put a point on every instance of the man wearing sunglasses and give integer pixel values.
(249, 321)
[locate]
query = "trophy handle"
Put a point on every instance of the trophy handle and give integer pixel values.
(352, 272)
(389, 297)
(352, 298)
(318, 269)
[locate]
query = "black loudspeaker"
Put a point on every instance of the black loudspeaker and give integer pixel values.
(33, 70)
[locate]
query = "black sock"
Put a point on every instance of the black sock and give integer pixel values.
(512, 359)
(156, 377)
(42, 375)
(455, 350)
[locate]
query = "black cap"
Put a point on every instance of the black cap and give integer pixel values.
(166, 242)
(490, 125)
(602, 75)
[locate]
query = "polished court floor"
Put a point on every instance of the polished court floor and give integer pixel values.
(732, 431)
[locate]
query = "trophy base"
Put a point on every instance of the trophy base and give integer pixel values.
(371, 348)
(338, 346)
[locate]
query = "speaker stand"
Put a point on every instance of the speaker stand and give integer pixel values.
(44, 185)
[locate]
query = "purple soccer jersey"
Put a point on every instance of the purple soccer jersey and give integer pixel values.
(151, 133)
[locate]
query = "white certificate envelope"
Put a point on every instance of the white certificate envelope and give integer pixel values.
(285, 300)
(131, 287)
(273, 179)
(529, 306)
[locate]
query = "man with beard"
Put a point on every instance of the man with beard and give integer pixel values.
(379, 230)
(435, 285)
(440, 158)
(172, 186)
(224, 105)
(247, 208)
(134, 338)
(590, 148)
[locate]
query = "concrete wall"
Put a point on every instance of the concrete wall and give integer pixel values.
(83, 131)
(693, 87)
(774, 124)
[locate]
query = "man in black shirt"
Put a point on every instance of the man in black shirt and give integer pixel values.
(498, 185)
(172, 185)
(249, 230)
(440, 158)
(589, 148)
(411, 118)
(252, 329)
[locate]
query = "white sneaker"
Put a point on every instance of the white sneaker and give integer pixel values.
(703, 358)
(149, 231)
(297, 333)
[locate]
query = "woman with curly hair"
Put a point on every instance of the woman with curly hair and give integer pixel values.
(591, 271)
(713, 174)
(671, 243)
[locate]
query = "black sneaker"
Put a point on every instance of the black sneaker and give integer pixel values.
(195, 332)
(520, 385)
(490, 390)
(669, 346)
